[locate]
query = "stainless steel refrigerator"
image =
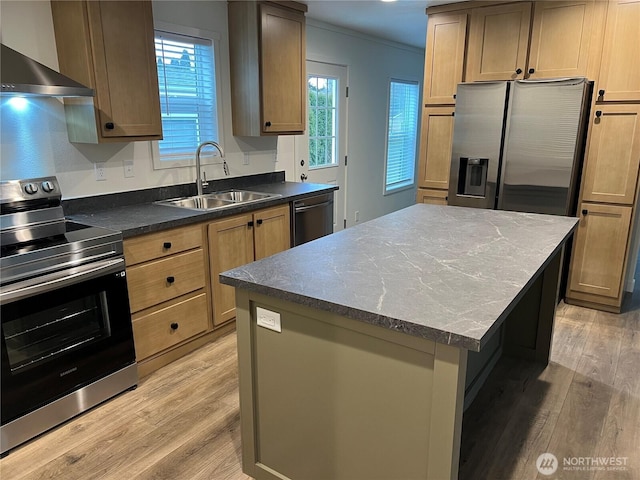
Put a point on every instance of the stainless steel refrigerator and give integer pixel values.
(518, 145)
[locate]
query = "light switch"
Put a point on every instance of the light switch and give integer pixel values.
(268, 319)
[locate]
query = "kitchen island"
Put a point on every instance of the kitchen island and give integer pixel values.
(357, 351)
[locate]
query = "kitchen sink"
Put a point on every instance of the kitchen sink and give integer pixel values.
(216, 200)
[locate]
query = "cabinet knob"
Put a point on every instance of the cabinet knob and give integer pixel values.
(532, 70)
(519, 71)
(170, 280)
(598, 113)
(174, 326)
(267, 124)
(601, 93)
(585, 211)
(109, 126)
(454, 95)
(166, 245)
(259, 222)
(250, 223)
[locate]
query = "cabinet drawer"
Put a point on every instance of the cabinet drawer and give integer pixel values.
(161, 244)
(155, 282)
(153, 332)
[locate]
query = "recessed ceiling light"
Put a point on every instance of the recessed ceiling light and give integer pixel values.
(389, 1)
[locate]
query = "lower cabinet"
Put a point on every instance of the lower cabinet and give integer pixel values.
(599, 256)
(239, 240)
(433, 197)
(168, 294)
(177, 302)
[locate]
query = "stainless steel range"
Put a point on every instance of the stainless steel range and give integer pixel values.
(67, 341)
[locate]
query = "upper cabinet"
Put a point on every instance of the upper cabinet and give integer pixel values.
(620, 73)
(535, 40)
(565, 39)
(267, 55)
(109, 46)
(498, 42)
(444, 57)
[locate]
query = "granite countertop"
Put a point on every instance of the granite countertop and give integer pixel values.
(450, 274)
(145, 216)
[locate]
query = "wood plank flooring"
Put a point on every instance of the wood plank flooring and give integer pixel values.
(182, 422)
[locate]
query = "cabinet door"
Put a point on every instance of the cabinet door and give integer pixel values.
(282, 66)
(435, 147)
(444, 57)
(498, 42)
(432, 197)
(620, 71)
(611, 170)
(125, 68)
(599, 250)
(230, 246)
(561, 38)
(272, 232)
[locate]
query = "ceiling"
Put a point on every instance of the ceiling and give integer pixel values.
(402, 21)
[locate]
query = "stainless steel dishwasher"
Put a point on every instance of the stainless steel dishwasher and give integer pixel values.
(312, 218)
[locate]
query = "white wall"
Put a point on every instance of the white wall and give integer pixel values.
(371, 64)
(34, 142)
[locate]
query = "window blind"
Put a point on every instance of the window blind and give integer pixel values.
(187, 81)
(401, 134)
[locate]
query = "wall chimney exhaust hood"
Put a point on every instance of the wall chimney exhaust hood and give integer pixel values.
(22, 76)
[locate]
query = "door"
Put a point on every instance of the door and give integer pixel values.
(561, 36)
(230, 246)
(498, 42)
(321, 153)
(435, 147)
(282, 69)
(611, 170)
(444, 61)
(272, 231)
(599, 249)
(620, 71)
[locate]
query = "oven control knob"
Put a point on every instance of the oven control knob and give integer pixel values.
(31, 188)
(48, 186)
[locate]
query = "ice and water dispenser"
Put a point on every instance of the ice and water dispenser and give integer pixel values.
(472, 176)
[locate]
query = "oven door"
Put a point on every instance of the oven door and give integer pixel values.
(61, 332)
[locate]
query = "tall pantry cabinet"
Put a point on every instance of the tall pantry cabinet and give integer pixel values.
(596, 39)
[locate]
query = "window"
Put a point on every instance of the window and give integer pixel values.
(323, 143)
(402, 130)
(188, 103)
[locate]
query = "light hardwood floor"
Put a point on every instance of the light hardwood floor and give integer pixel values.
(182, 422)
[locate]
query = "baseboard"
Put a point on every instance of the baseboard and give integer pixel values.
(631, 285)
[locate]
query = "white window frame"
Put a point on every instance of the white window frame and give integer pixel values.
(158, 163)
(386, 190)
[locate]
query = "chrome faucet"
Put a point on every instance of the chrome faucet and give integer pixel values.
(199, 181)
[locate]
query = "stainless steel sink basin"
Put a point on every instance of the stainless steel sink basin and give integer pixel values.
(212, 201)
(241, 196)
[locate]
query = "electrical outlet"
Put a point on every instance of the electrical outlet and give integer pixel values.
(357, 216)
(101, 173)
(245, 160)
(128, 169)
(268, 319)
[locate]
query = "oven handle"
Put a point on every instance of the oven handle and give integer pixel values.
(53, 281)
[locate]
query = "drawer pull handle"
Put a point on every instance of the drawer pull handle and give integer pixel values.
(166, 245)
(601, 93)
(585, 211)
(259, 221)
(250, 224)
(170, 280)
(174, 326)
(598, 113)
(109, 126)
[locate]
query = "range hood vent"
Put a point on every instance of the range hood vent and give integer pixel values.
(22, 76)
